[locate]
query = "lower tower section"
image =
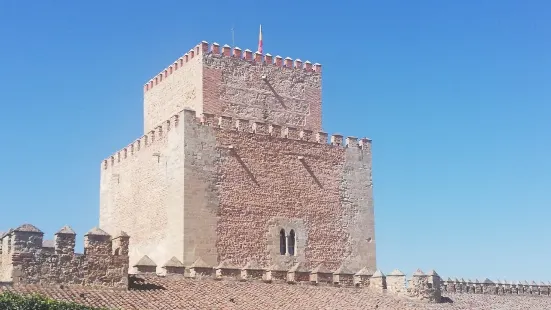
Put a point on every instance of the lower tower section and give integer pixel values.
(227, 189)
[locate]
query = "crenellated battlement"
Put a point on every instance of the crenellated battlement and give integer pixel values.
(29, 259)
(238, 125)
(419, 286)
(498, 287)
(235, 53)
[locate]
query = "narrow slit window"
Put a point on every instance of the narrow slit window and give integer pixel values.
(282, 245)
(291, 243)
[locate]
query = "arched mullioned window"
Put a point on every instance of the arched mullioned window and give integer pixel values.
(291, 243)
(282, 245)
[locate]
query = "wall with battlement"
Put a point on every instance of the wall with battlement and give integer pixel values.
(232, 82)
(242, 182)
(498, 287)
(419, 286)
(28, 259)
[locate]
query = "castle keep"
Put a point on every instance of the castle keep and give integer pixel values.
(234, 167)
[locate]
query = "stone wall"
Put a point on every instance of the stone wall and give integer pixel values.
(222, 189)
(27, 261)
(261, 90)
(177, 87)
(236, 83)
(272, 181)
(142, 193)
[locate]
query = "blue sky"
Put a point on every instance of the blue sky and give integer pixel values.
(454, 94)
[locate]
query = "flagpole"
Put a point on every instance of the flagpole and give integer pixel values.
(232, 36)
(260, 43)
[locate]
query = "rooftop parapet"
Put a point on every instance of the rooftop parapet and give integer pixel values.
(235, 125)
(214, 49)
(393, 283)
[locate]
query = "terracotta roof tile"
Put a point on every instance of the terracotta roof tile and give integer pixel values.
(150, 292)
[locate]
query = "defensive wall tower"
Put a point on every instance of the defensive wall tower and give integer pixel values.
(234, 165)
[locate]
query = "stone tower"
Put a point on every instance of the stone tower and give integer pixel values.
(234, 166)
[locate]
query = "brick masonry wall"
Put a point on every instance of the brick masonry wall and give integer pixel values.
(235, 87)
(262, 186)
(141, 193)
(179, 90)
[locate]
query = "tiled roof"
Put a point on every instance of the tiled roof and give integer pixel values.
(152, 292)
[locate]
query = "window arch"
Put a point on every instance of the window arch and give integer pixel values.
(282, 244)
(291, 243)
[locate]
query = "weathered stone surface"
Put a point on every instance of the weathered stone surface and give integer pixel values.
(396, 282)
(66, 230)
(145, 264)
(287, 97)
(28, 259)
(146, 261)
(47, 243)
(173, 262)
(182, 89)
(27, 228)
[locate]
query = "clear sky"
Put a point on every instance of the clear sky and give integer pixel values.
(455, 95)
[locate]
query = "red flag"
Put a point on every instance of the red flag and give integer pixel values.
(260, 40)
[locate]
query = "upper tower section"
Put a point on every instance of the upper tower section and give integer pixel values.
(229, 81)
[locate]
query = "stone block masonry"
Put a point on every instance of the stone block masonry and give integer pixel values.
(28, 259)
(224, 189)
(232, 82)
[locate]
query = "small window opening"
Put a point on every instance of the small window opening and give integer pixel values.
(291, 243)
(282, 244)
